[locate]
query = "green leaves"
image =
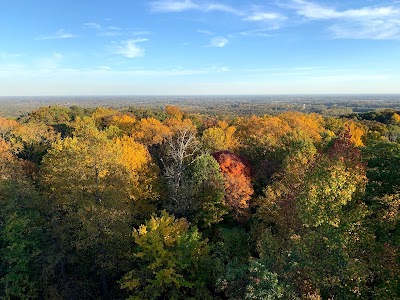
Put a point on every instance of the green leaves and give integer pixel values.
(207, 184)
(170, 257)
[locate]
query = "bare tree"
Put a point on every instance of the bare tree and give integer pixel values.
(181, 149)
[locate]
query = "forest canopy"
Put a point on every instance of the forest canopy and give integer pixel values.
(166, 204)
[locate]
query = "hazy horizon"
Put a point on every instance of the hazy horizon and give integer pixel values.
(204, 95)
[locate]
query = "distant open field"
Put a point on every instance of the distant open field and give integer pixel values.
(238, 104)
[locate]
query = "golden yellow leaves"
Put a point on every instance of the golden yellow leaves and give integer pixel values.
(92, 163)
(220, 137)
(150, 131)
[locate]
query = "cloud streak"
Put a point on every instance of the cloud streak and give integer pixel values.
(272, 20)
(264, 16)
(103, 31)
(60, 34)
(219, 42)
(376, 23)
(168, 6)
(130, 48)
(172, 6)
(318, 12)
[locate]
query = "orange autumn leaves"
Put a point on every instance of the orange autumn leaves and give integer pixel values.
(237, 179)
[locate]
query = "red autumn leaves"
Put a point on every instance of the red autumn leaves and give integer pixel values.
(238, 187)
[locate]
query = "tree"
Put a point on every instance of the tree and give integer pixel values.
(96, 186)
(173, 112)
(238, 188)
(220, 137)
(124, 122)
(28, 141)
(356, 132)
(170, 257)
(383, 159)
(382, 198)
(103, 116)
(260, 136)
(265, 284)
(21, 237)
(310, 124)
(180, 150)
(151, 131)
(315, 230)
(207, 186)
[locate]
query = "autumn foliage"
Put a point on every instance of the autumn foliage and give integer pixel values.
(238, 188)
(130, 204)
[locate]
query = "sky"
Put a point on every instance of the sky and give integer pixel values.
(196, 47)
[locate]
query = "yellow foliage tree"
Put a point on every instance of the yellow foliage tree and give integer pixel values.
(104, 116)
(310, 124)
(124, 122)
(356, 131)
(29, 141)
(97, 186)
(150, 131)
(174, 112)
(178, 125)
(220, 137)
(261, 131)
(395, 119)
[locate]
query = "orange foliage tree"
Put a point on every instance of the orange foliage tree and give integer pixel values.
(238, 187)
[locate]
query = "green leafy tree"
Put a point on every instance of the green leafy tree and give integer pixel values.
(170, 260)
(315, 235)
(265, 285)
(382, 198)
(21, 237)
(207, 185)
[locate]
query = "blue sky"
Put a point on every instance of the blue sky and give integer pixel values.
(168, 47)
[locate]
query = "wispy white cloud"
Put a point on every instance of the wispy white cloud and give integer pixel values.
(110, 31)
(272, 20)
(60, 34)
(172, 6)
(130, 48)
(222, 8)
(92, 25)
(167, 6)
(218, 42)
(220, 69)
(206, 32)
(316, 11)
(373, 29)
(103, 30)
(264, 16)
(378, 22)
(142, 32)
(259, 32)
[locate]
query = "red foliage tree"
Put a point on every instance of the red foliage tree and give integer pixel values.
(237, 179)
